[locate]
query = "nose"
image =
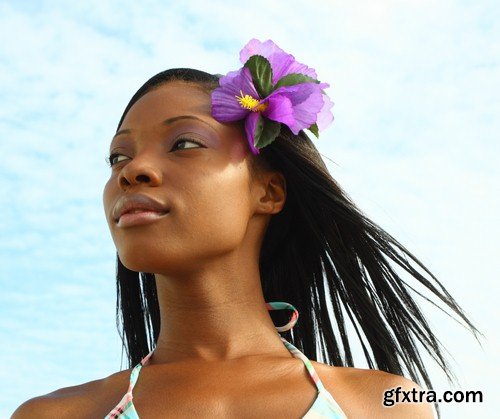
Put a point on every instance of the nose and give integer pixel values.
(139, 171)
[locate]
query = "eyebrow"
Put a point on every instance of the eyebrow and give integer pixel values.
(168, 121)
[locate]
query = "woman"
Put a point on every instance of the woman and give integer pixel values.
(222, 210)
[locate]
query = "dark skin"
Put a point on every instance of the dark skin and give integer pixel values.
(218, 353)
(205, 252)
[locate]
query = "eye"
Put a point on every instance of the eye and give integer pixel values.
(186, 140)
(111, 159)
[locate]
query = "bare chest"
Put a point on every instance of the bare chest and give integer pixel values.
(279, 391)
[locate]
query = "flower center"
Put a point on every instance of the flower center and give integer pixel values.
(250, 103)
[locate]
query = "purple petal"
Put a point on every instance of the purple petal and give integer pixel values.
(311, 92)
(307, 101)
(281, 62)
(229, 77)
(279, 109)
(306, 112)
(225, 106)
(325, 116)
(286, 64)
(298, 92)
(250, 125)
(255, 47)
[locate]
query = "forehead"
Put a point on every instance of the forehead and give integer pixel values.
(153, 113)
(169, 100)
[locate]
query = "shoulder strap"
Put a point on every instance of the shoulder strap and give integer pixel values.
(134, 375)
(280, 305)
(310, 369)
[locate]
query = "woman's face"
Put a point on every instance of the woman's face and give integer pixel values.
(172, 150)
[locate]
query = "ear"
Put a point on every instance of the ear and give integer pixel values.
(272, 193)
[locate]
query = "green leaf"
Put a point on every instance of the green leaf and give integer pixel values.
(262, 74)
(258, 130)
(294, 78)
(314, 129)
(270, 131)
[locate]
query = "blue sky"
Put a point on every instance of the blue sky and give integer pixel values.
(415, 86)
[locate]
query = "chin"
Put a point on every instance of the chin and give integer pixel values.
(134, 261)
(146, 260)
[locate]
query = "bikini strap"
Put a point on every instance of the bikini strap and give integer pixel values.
(310, 369)
(134, 375)
(279, 305)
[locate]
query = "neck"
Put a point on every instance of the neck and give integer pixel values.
(214, 314)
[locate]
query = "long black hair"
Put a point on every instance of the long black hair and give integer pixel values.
(320, 250)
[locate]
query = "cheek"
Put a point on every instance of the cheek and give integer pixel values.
(107, 200)
(221, 208)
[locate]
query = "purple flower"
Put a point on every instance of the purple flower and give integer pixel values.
(271, 89)
(281, 62)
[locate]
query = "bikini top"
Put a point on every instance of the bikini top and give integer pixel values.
(324, 405)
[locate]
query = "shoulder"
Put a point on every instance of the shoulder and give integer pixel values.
(375, 393)
(70, 402)
(40, 407)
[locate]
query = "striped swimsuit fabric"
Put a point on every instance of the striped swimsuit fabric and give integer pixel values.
(324, 405)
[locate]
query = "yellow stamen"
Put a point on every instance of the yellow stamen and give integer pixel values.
(250, 103)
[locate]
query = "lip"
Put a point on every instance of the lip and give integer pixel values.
(139, 218)
(127, 204)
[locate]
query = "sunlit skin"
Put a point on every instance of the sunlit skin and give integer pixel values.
(218, 354)
(205, 252)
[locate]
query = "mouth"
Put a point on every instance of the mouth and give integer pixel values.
(140, 217)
